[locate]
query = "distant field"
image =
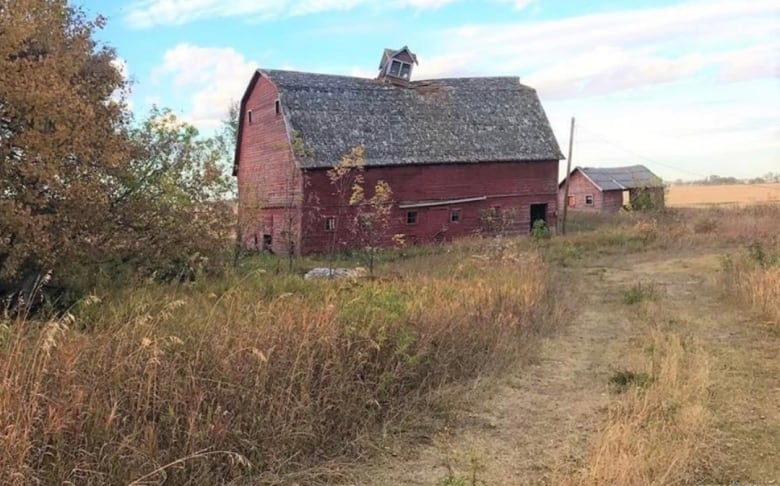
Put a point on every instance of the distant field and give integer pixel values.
(740, 194)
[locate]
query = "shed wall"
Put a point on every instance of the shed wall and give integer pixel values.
(580, 187)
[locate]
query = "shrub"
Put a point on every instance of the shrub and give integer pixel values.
(540, 230)
(639, 292)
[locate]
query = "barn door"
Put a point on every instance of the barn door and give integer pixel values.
(538, 212)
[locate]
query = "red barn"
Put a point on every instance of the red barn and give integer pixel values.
(452, 151)
(608, 189)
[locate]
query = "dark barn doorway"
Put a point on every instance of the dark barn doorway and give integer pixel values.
(538, 211)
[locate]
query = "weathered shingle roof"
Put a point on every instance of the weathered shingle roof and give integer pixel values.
(621, 178)
(435, 121)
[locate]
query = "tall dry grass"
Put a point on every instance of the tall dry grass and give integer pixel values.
(655, 428)
(753, 276)
(262, 377)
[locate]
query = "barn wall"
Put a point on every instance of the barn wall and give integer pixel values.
(512, 186)
(269, 184)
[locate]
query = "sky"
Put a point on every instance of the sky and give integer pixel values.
(687, 88)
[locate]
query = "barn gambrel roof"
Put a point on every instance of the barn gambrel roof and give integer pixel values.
(462, 120)
(621, 178)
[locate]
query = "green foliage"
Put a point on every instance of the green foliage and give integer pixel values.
(762, 256)
(646, 198)
(639, 292)
(540, 231)
(622, 380)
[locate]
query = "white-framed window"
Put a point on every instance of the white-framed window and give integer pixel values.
(330, 223)
(589, 199)
(277, 107)
(400, 69)
(411, 217)
(455, 216)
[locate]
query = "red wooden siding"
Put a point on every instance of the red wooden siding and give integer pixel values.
(269, 183)
(580, 187)
(510, 185)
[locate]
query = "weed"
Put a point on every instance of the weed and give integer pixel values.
(624, 379)
(705, 225)
(754, 277)
(471, 479)
(540, 231)
(639, 292)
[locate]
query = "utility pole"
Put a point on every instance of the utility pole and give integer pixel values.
(566, 184)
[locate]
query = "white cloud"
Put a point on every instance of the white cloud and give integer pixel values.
(215, 76)
(664, 36)
(691, 86)
(520, 4)
(681, 130)
(687, 89)
(149, 13)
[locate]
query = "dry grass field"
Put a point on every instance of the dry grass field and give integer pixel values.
(635, 350)
(740, 194)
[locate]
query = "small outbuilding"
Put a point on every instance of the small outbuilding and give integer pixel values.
(609, 189)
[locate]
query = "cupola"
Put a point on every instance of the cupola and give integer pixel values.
(396, 65)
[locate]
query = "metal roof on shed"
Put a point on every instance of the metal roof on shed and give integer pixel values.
(621, 178)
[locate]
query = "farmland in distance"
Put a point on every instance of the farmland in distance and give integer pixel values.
(733, 194)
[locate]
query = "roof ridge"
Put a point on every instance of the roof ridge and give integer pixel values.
(427, 80)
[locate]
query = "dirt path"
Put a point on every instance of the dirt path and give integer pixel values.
(538, 422)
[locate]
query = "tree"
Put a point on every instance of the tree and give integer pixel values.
(80, 183)
(344, 176)
(62, 135)
(170, 207)
(372, 218)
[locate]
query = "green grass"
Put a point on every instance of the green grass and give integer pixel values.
(640, 292)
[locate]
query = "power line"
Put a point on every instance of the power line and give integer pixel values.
(636, 154)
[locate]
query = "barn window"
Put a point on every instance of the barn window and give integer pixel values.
(249, 116)
(411, 217)
(330, 223)
(400, 69)
(589, 199)
(572, 201)
(455, 216)
(277, 107)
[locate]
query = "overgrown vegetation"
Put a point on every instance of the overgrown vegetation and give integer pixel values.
(83, 187)
(278, 371)
(753, 276)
